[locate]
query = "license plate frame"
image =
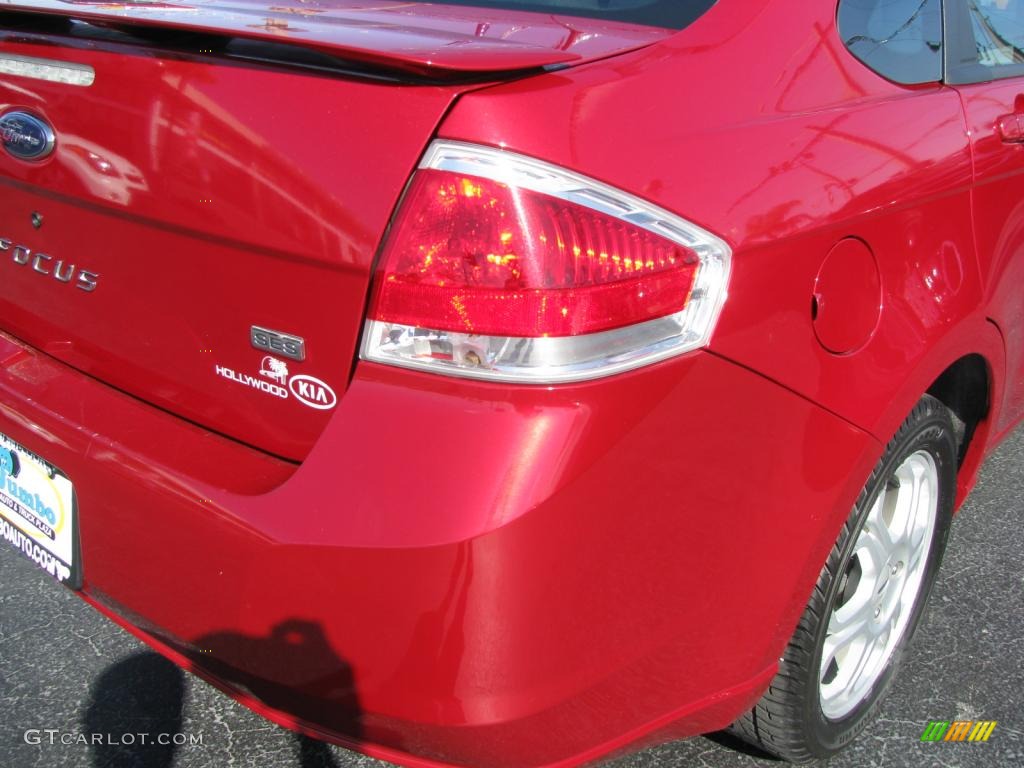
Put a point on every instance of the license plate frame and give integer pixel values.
(39, 512)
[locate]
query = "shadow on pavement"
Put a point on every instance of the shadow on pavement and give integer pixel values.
(729, 741)
(140, 694)
(301, 676)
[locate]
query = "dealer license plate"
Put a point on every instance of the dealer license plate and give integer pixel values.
(38, 513)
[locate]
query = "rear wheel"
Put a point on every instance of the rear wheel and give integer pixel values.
(868, 598)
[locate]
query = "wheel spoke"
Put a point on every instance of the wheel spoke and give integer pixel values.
(910, 494)
(924, 502)
(873, 556)
(916, 559)
(842, 631)
(876, 521)
(871, 544)
(869, 655)
(845, 643)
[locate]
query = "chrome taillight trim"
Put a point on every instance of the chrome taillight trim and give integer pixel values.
(549, 360)
(537, 359)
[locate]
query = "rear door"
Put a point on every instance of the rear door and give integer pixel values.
(985, 62)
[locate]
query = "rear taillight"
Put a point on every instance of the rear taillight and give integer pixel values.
(503, 267)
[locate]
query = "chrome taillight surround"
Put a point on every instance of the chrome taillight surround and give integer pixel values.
(556, 359)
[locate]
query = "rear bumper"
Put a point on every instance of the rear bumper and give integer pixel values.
(466, 573)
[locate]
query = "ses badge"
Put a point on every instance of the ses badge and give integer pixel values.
(277, 343)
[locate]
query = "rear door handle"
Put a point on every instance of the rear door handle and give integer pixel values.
(1011, 128)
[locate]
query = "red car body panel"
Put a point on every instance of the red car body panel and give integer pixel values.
(455, 606)
(745, 163)
(438, 566)
(742, 159)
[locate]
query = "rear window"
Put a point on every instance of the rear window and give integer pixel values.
(899, 39)
(671, 14)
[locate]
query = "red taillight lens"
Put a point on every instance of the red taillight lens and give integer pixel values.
(478, 256)
(506, 268)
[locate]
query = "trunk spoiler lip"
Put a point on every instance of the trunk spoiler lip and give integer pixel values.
(452, 43)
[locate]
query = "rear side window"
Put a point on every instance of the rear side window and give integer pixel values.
(900, 39)
(671, 14)
(987, 40)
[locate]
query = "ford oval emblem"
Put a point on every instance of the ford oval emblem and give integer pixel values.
(26, 136)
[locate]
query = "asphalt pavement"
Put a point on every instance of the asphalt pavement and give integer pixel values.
(66, 669)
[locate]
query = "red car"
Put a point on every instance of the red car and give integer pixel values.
(506, 382)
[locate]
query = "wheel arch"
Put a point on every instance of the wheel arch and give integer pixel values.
(965, 371)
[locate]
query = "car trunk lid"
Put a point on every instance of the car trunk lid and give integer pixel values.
(208, 202)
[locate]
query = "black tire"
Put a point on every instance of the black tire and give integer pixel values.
(789, 721)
